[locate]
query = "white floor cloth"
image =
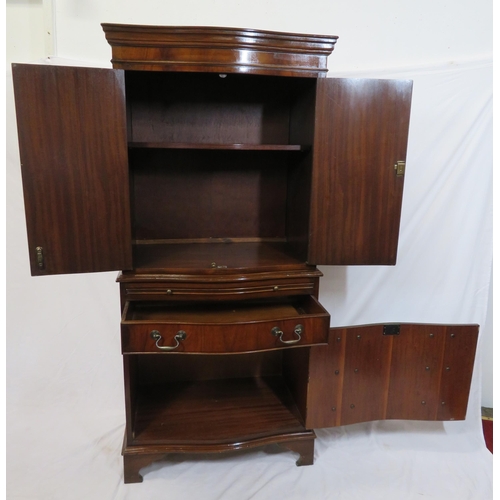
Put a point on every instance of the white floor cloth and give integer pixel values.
(65, 415)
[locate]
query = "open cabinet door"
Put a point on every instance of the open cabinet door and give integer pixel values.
(380, 372)
(360, 140)
(73, 149)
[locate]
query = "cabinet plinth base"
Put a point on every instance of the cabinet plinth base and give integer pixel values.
(137, 457)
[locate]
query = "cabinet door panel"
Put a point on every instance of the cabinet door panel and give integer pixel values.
(416, 372)
(458, 363)
(361, 131)
(73, 148)
(421, 373)
(326, 374)
(366, 375)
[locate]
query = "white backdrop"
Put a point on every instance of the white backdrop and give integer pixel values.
(65, 392)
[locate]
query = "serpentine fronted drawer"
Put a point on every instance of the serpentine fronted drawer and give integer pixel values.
(163, 327)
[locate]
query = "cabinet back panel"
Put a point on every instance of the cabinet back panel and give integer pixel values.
(205, 108)
(161, 368)
(208, 194)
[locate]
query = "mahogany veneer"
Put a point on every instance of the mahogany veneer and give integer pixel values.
(216, 167)
(57, 198)
(213, 49)
(422, 373)
(224, 328)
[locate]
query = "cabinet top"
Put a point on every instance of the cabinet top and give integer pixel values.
(219, 50)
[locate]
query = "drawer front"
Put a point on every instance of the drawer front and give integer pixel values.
(213, 332)
(216, 291)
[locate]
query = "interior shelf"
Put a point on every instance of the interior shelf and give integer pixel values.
(215, 411)
(226, 147)
(220, 256)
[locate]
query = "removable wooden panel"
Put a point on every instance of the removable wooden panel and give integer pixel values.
(415, 375)
(326, 374)
(223, 328)
(456, 371)
(418, 372)
(365, 375)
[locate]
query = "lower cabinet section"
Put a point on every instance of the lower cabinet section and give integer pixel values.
(377, 372)
(201, 404)
(198, 403)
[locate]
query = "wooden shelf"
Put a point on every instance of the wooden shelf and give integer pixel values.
(227, 147)
(217, 257)
(215, 412)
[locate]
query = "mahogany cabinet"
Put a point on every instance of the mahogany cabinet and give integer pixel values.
(215, 168)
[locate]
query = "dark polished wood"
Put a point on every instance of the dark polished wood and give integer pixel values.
(146, 371)
(223, 327)
(213, 416)
(131, 376)
(218, 291)
(218, 279)
(216, 168)
(365, 375)
(354, 181)
(202, 110)
(456, 372)
(304, 447)
(134, 462)
(137, 457)
(296, 371)
(323, 406)
(220, 50)
(229, 147)
(423, 373)
(76, 191)
(232, 194)
(200, 367)
(216, 258)
(415, 375)
(214, 413)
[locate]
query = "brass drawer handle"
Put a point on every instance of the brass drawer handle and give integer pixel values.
(298, 330)
(181, 335)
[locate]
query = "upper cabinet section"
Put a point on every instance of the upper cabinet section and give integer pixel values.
(218, 50)
(203, 110)
(214, 150)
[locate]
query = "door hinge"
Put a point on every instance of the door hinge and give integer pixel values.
(40, 261)
(399, 167)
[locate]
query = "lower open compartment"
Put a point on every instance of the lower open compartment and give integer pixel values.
(209, 403)
(214, 412)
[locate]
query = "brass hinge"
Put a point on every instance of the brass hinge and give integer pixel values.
(399, 167)
(40, 261)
